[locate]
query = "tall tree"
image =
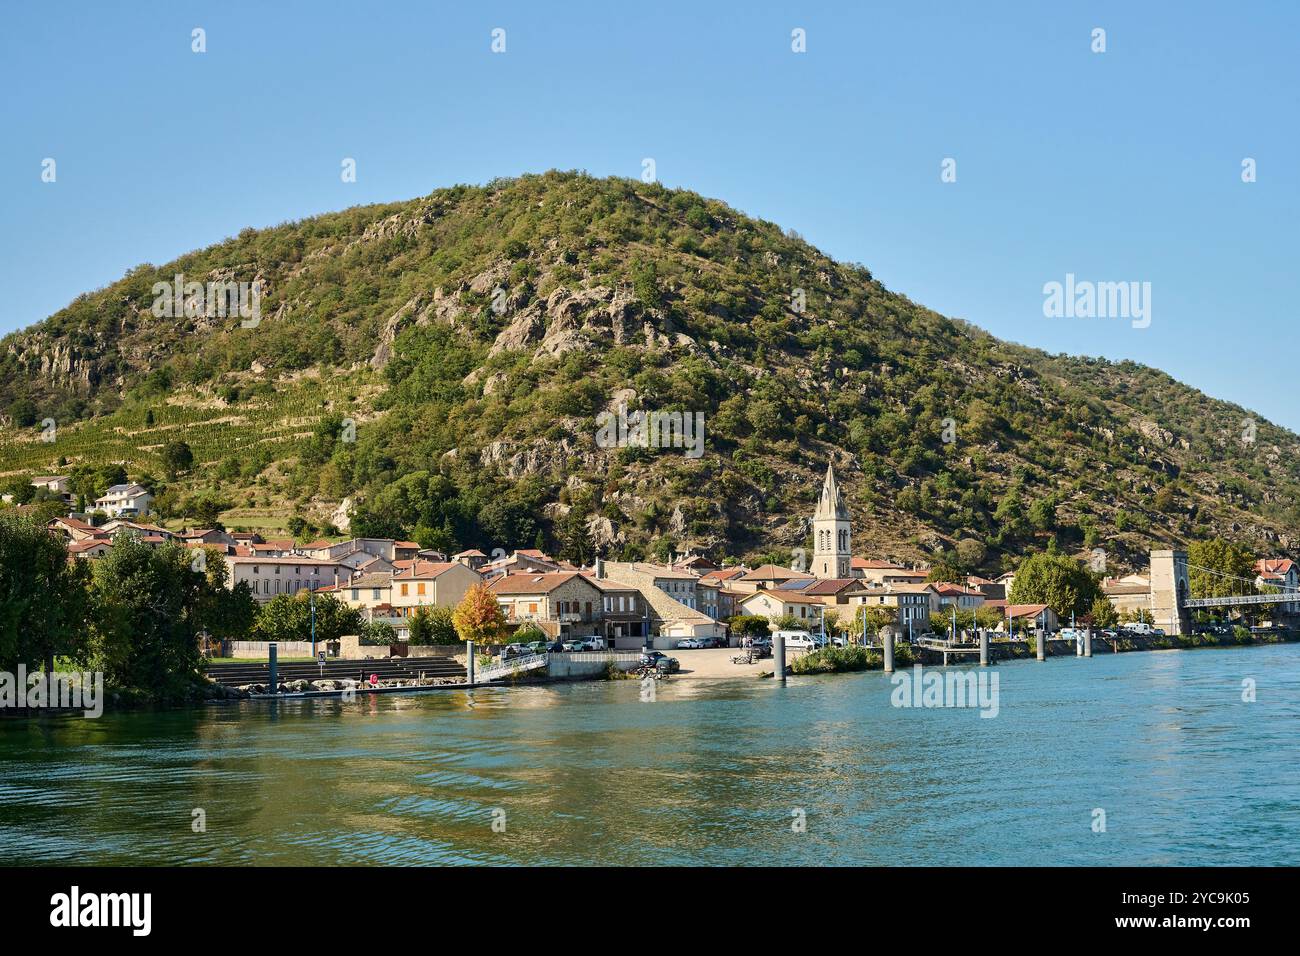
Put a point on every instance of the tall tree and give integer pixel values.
(1218, 568)
(478, 617)
(146, 618)
(1057, 580)
(43, 598)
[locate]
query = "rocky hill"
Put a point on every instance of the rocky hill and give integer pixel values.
(440, 366)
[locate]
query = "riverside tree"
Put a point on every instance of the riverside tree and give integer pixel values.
(478, 617)
(289, 618)
(1057, 580)
(43, 597)
(146, 617)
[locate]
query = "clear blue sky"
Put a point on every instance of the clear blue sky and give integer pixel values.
(1117, 166)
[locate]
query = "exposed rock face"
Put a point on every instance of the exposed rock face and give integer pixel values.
(394, 325)
(602, 532)
(572, 320)
(342, 517)
(1153, 432)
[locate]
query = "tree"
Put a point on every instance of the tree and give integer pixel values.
(20, 488)
(381, 634)
(748, 625)
(1057, 580)
(1218, 568)
(419, 627)
(945, 568)
(526, 633)
(206, 510)
(44, 603)
(289, 618)
(442, 628)
(478, 617)
(225, 613)
(177, 458)
(970, 553)
(1103, 613)
(146, 618)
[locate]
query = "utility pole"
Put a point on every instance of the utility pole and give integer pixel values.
(311, 592)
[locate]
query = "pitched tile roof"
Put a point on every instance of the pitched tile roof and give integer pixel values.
(533, 583)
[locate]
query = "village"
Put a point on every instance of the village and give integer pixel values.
(687, 603)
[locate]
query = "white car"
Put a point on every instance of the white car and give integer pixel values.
(594, 644)
(689, 644)
(797, 640)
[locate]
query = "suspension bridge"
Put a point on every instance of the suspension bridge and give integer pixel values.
(1171, 599)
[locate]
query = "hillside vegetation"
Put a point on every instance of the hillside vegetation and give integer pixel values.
(441, 363)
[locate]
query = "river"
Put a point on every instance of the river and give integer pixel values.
(821, 771)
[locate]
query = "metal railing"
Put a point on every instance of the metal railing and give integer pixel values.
(516, 665)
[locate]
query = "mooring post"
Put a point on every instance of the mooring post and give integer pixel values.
(778, 652)
(1078, 643)
(1041, 643)
(984, 647)
(1087, 643)
(469, 662)
(887, 645)
(272, 651)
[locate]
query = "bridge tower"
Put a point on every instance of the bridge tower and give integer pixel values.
(1169, 590)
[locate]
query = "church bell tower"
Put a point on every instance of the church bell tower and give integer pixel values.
(832, 548)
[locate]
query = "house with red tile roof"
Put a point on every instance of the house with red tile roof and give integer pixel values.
(1282, 574)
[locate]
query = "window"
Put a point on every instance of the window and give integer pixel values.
(419, 588)
(405, 586)
(356, 594)
(374, 594)
(532, 609)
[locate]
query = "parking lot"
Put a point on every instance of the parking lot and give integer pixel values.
(715, 662)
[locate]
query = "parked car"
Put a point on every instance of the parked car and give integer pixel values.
(574, 645)
(594, 644)
(512, 651)
(839, 640)
(538, 647)
(555, 647)
(761, 647)
(1141, 627)
(689, 644)
(661, 661)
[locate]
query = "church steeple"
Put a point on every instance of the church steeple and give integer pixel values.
(832, 532)
(831, 503)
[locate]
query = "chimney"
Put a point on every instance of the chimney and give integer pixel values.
(600, 569)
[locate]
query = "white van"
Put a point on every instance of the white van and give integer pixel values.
(796, 640)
